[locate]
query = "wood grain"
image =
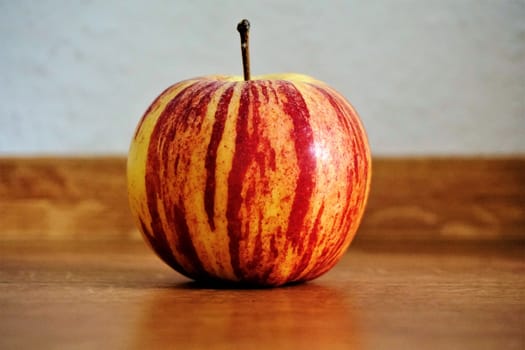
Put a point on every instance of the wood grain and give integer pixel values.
(57, 198)
(447, 199)
(411, 199)
(118, 295)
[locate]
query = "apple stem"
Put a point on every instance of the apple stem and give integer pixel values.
(244, 30)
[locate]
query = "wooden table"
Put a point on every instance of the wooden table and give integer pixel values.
(439, 263)
(104, 295)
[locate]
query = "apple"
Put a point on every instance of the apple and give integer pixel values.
(260, 181)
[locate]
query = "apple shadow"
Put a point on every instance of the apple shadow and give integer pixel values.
(229, 285)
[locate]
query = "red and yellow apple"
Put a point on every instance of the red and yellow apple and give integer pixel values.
(261, 181)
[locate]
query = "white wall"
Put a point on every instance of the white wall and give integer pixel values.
(428, 77)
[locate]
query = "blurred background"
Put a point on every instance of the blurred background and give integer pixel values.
(427, 77)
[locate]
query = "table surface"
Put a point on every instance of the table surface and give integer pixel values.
(118, 295)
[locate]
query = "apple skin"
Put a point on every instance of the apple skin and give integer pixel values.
(260, 182)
